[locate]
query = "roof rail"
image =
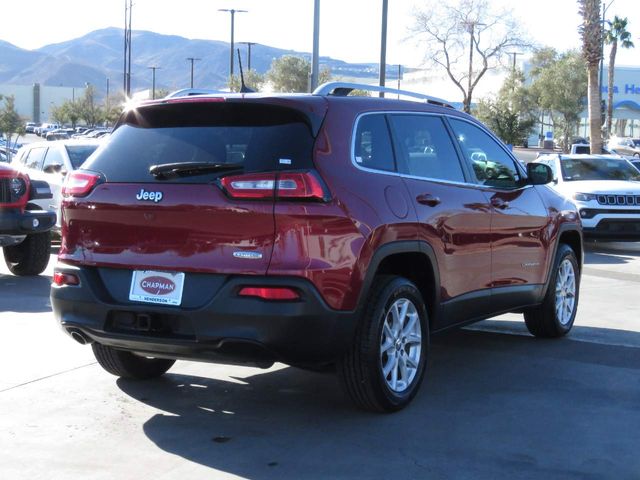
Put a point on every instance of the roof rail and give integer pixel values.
(342, 89)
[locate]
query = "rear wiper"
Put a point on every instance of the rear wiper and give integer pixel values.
(184, 169)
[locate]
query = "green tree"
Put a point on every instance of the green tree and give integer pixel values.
(10, 121)
(512, 114)
(591, 31)
(252, 79)
(90, 111)
(291, 74)
(59, 113)
(466, 39)
(559, 86)
(616, 34)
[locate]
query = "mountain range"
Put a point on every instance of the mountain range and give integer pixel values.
(98, 55)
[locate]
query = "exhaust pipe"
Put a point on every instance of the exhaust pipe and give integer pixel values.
(80, 337)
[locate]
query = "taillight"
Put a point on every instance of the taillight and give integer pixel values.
(255, 186)
(300, 186)
(270, 293)
(61, 279)
(79, 184)
(285, 185)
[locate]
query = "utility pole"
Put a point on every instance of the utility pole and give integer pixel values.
(513, 64)
(233, 14)
(315, 55)
(248, 44)
(153, 81)
(383, 45)
(107, 102)
(192, 59)
(128, 6)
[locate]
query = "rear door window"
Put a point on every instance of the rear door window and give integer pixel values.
(426, 147)
(36, 158)
(257, 137)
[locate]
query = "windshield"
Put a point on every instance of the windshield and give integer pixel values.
(636, 142)
(598, 169)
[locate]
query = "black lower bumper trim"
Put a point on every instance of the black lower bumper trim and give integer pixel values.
(15, 222)
(225, 328)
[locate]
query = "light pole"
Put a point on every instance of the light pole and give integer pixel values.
(153, 81)
(248, 44)
(315, 54)
(128, 7)
(192, 59)
(383, 45)
(233, 14)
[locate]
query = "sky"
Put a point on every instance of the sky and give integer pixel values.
(349, 29)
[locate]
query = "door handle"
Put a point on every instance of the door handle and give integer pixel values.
(428, 199)
(499, 203)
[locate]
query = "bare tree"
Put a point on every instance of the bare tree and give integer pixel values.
(467, 39)
(591, 31)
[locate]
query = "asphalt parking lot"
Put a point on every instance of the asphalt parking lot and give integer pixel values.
(496, 403)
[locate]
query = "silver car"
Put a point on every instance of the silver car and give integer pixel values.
(51, 161)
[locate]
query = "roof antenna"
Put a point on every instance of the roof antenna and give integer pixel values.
(243, 87)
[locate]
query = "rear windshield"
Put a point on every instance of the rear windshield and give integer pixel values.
(79, 153)
(258, 137)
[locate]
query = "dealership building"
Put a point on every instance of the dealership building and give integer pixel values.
(34, 102)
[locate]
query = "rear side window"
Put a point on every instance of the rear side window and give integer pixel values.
(426, 147)
(492, 166)
(79, 153)
(257, 137)
(372, 148)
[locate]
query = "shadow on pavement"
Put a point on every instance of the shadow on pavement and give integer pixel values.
(492, 406)
(25, 294)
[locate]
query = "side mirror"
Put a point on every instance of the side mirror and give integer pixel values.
(539, 173)
(53, 168)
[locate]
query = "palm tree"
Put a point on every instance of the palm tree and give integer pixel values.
(591, 32)
(615, 35)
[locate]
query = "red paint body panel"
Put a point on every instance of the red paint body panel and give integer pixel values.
(195, 228)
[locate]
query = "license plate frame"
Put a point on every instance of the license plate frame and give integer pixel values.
(157, 287)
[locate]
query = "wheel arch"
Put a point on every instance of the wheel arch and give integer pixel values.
(413, 260)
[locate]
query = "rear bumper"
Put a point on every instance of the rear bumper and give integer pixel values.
(15, 222)
(219, 327)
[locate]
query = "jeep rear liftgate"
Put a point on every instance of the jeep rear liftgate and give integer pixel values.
(189, 187)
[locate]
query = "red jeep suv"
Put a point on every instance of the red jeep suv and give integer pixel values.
(316, 230)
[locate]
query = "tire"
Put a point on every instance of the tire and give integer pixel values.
(128, 365)
(31, 256)
(383, 369)
(554, 317)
